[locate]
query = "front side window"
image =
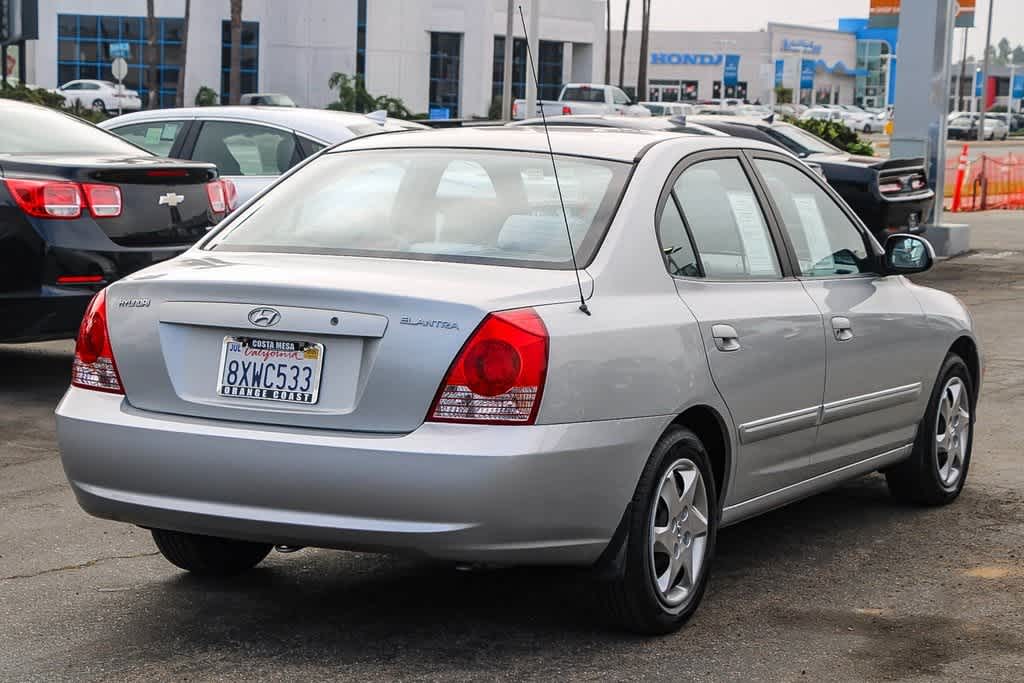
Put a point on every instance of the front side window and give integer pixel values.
(156, 136)
(726, 221)
(442, 205)
(826, 242)
(240, 149)
(619, 97)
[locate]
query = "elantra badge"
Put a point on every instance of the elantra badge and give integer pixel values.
(264, 317)
(171, 199)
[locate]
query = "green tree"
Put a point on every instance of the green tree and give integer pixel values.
(1003, 52)
(352, 96)
(1018, 54)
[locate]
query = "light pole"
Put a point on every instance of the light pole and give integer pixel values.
(984, 78)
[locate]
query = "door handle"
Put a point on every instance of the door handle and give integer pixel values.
(842, 329)
(726, 338)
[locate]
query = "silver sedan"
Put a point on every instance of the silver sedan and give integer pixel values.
(392, 349)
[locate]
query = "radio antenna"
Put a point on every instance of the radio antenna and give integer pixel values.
(554, 166)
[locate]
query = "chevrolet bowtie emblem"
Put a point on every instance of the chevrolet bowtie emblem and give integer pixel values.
(171, 199)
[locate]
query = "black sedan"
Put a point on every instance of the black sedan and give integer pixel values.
(80, 208)
(889, 195)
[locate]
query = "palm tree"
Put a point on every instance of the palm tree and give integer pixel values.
(235, 74)
(151, 57)
(608, 41)
(645, 32)
(179, 98)
(622, 52)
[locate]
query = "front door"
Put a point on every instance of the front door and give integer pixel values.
(877, 385)
(762, 333)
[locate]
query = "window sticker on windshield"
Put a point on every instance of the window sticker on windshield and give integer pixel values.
(757, 248)
(153, 135)
(814, 233)
(169, 131)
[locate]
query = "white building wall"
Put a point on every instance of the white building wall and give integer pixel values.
(302, 42)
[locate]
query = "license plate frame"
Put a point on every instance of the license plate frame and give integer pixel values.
(264, 351)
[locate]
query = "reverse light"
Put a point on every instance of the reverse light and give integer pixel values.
(46, 198)
(498, 376)
(104, 201)
(889, 188)
(230, 194)
(918, 183)
(94, 367)
(215, 191)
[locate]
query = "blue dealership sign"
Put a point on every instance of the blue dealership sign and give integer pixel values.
(686, 58)
(1018, 86)
(807, 74)
(978, 79)
(732, 70)
(440, 113)
(780, 72)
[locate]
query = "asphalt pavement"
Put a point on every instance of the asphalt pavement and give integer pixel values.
(1013, 145)
(844, 586)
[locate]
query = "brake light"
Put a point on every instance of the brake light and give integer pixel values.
(230, 194)
(515, 110)
(168, 173)
(566, 110)
(498, 376)
(94, 367)
(215, 191)
(46, 198)
(104, 201)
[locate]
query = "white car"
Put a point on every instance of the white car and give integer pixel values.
(858, 119)
(668, 108)
(99, 95)
(824, 114)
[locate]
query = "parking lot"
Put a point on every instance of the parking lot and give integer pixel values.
(845, 586)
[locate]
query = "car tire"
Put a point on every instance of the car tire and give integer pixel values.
(209, 555)
(640, 598)
(867, 129)
(99, 105)
(936, 471)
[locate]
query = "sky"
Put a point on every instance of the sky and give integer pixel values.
(751, 15)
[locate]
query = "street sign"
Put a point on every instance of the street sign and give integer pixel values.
(119, 68)
(119, 49)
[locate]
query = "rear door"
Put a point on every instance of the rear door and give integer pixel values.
(762, 333)
(877, 382)
(252, 155)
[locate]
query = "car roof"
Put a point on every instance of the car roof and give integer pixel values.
(655, 123)
(327, 125)
(732, 120)
(616, 144)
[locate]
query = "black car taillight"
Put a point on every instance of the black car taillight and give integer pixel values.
(64, 199)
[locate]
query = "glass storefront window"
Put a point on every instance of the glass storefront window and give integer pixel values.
(250, 60)
(445, 71)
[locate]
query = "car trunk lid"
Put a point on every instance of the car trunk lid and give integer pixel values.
(385, 331)
(164, 201)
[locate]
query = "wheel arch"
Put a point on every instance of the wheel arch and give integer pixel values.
(967, 348)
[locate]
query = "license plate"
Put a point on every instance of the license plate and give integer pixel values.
(913, 220)
(270, 370)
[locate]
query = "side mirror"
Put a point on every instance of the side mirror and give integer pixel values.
(907, 254)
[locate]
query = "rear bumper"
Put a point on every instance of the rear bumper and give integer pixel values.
(547, 494)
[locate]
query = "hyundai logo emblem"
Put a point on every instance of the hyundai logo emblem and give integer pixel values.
(264, 317)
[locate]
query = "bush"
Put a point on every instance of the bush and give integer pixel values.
(352, 96)
(45, 98)
(207, 97)
(835, 133)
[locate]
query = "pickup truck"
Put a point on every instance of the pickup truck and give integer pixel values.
(583, 98)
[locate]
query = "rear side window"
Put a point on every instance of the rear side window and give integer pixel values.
(244, 149)
(674, 239)
(431, 204)
(583, 95)
(726, 221)
(157, 136)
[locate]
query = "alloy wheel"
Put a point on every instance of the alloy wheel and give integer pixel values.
(678, 532)
(952, 432)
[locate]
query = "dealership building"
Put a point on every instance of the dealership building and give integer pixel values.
(818, 65)
(440, 55)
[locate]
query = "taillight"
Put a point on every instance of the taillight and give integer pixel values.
(918, 183)
(104, 201)
(889, 188)
(515, 110)
(498, 376)
(94, 367)
(215, 191)
(230, 194)
(46, 198)
(566, 110)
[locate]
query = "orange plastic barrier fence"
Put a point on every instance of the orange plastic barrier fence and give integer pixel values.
(990, 182)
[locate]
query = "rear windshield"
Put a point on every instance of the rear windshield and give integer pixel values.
(583, 95)
(494, 207)
(37, 130)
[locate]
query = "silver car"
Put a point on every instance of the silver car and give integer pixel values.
(391, 350)
(251, 146)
